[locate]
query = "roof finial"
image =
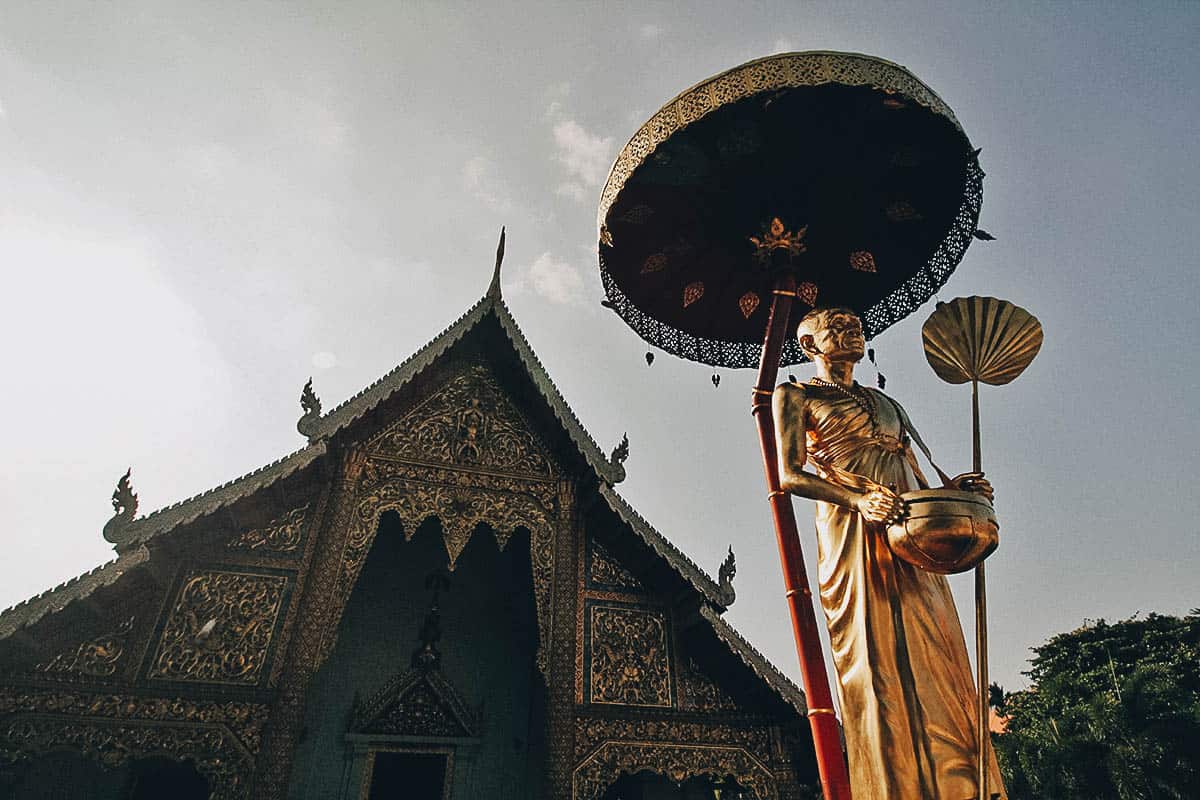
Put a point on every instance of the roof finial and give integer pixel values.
(494, 289)
(124, 503)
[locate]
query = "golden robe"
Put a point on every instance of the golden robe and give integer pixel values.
(904, 679)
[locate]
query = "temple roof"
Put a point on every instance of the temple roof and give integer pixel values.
(136, 533)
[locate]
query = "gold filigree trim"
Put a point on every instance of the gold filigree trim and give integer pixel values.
(677, 762)
(97, 657)
(220, 628)
(282, 535)
(629, 663)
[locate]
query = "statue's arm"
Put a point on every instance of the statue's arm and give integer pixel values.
(787, 405)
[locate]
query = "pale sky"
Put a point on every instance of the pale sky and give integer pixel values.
(201, 205)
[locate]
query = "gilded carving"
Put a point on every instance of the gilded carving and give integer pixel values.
(628, 663)
(590, 732)
(678, 762)
(221, 738)
(461, 501)
(469, 422)
(282, 535)
(702, 693)
(96, 657)
(606, 572)
(220, 628)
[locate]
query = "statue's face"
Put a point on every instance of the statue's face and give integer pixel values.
(840, 337)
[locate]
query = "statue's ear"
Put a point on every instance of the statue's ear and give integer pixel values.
(808, 345)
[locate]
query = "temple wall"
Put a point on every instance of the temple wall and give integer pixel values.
(488, 645)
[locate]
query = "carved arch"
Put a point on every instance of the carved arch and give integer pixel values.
(677, 762)
(220, 739)
(466, 455)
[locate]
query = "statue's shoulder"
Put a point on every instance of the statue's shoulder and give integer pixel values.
(790, 389)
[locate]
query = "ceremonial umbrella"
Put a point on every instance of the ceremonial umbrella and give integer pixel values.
(835, 179)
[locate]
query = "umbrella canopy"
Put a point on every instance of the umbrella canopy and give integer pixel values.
(841, 169)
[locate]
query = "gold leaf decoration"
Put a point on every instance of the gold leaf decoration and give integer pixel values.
(692, 292)
(749, 303)
(654, 263)
(862, 260)
(807, 292)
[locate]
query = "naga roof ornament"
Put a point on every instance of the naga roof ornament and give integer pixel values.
(311, 404)
(125, 505)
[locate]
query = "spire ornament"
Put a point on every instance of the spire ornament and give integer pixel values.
(125, 505)
(617, 459)
(494, 288)
(725, 578)
(308, 425)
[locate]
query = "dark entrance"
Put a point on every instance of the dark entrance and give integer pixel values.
(412, 776)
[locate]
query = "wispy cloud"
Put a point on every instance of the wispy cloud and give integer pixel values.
(585, 157)
(480, 179)
(552, 279)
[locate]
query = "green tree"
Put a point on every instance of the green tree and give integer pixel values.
(1113, 713)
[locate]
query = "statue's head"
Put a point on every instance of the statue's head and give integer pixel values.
(835, 334)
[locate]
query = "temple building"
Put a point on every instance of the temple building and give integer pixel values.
(441, 595)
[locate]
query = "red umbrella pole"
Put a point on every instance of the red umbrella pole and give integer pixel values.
(827, 742)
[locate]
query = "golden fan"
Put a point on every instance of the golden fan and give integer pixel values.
(969, 339)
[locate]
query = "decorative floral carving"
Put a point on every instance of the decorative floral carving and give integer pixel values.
(471, 422)
(416, 708)
(604, 571)
(702, 693)
(220, 738)
(283, 535)
(590, 732)
(220, 628)
(97, 657)
(678, 762)
(629, 662)
(692, 292)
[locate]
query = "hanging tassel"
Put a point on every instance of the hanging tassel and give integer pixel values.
(649, 358)
(880, 380)
(871, 354)
(716, 379)
(792, 378)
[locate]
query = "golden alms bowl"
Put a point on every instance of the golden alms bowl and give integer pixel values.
(946, 531)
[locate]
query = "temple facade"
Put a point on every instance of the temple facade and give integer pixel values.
(441, 595)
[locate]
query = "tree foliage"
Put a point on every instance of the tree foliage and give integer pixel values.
(1113, 713)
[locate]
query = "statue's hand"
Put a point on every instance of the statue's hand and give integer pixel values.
(973, 482)
(880, 505)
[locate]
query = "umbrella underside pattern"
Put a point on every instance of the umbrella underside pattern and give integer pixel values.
(868, 197)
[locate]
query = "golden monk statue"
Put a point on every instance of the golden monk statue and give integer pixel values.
(907, 695)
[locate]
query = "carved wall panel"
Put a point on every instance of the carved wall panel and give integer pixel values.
(469, 422)
(282, 535)
(678, 762)
(628, 657)
(96, 657)
(222, 739)
(220, 628)
(605, 572)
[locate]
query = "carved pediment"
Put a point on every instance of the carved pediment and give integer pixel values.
(416, 703)
(469, 422)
